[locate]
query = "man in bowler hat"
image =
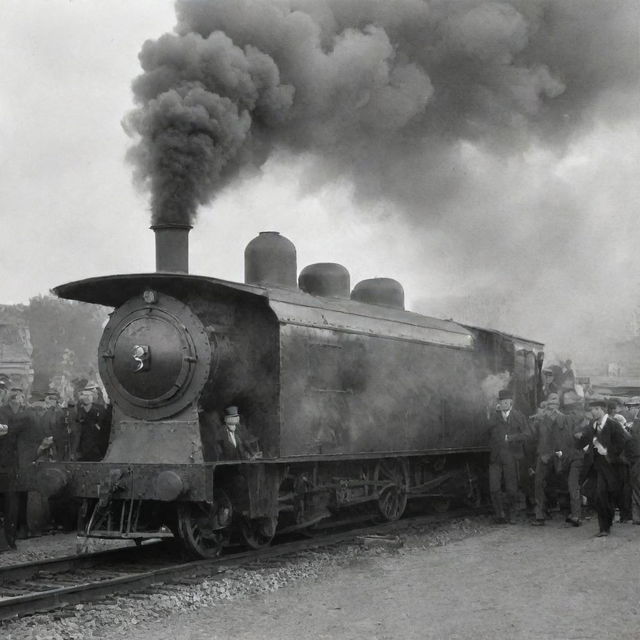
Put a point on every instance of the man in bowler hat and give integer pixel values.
(606, 440)
(507, 435)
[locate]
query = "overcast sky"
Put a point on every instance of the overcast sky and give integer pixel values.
(69, 210)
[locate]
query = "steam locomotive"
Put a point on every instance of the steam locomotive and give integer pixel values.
(352, 401)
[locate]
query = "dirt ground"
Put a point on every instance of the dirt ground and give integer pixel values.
(517, 581)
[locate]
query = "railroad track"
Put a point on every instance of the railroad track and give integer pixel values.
(57, 583)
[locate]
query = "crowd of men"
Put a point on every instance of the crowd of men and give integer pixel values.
(585, 449)
(47, 430)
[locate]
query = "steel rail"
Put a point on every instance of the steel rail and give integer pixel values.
(65, 564)
(48, 597)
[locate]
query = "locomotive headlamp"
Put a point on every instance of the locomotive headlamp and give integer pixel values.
(150, 296)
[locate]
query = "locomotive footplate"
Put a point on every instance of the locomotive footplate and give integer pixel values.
(166, 483)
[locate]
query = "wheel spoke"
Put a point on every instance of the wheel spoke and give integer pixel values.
(392, 486)
(199, 530)
(257, 533)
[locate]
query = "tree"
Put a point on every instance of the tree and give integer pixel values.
(65, 336)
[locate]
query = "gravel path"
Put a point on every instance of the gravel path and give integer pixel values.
(458, 581)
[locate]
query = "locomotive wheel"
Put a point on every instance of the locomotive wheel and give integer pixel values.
(392, 499)
(258, 532)
(199, 529)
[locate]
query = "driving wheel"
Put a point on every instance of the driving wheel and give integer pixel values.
(391, 476)
(258, 532)
(203, 528)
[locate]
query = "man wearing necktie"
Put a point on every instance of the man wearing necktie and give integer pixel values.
(507, 434)
(606, 440)
(231, 443)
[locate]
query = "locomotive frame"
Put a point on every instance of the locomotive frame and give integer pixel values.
(354, 406)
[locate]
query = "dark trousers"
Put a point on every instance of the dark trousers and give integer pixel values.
(527, 480)
(625, 492)
(543, 469)
(573, 484)
(507, 471)
(605, 502)
(634, 481)
(11, 510)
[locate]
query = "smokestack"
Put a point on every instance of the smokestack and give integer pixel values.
(172, 247)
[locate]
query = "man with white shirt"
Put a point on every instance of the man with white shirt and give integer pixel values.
(231, 442)
(606, 440)
(507, 434)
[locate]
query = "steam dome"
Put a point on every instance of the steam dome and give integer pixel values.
(381, 291)
(326, 279)
(270, 260)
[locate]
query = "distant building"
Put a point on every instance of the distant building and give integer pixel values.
(16, 365)
(624, 358)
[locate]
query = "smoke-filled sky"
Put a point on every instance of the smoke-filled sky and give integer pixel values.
(467, 148)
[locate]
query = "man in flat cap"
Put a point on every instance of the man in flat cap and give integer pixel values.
(567, 379)
(551, 379)
(630, 410)
(548, 454)
(606, 440)
(507, 434)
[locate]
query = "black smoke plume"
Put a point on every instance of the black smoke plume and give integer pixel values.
(382, 92)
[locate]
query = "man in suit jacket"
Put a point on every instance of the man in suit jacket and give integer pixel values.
(92, 429)
(607, 440)
(231, 444)
(552, 432)
(16, 424)
(573, 455)
(507, 434)
(53, 425)
(632, 453)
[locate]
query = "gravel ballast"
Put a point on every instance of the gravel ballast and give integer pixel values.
(120, 616)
